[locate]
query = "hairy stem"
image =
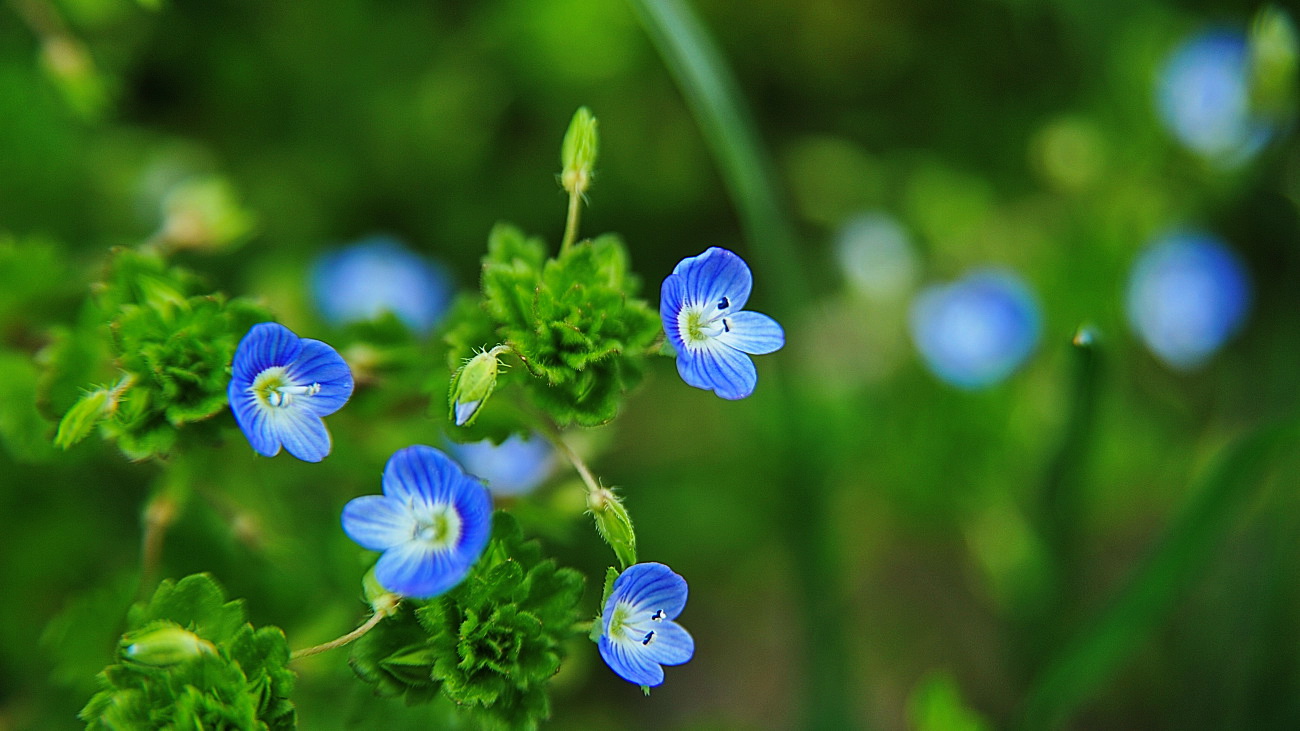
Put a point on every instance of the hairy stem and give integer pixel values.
(352, 636)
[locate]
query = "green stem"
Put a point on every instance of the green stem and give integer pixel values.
(1085, 663)
(571, 224)
(352, 636)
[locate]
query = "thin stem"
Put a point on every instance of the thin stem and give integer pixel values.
(571, 225)
(355, 634)
(579, 466)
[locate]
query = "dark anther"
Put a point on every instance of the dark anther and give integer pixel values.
(658, 615)
(724, 304)
(726, 326)
(648, 636)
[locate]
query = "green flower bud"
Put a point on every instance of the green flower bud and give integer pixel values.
(578, 154)
(1274, 50)
(380, 599)
(93, 408)
(472, 385)
(614, 524)
(164, 643)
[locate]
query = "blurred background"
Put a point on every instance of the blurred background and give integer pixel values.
(1050, 253)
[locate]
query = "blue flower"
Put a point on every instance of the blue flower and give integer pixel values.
(281, 385)
(514, 467)
(1204, 97)
(1187, 295)
(978, 330)
(377, 275)
(702, 307)
(639, 634)
(432, 523)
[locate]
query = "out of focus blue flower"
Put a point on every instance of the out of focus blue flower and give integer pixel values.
(1187, 295)
(432, 523)
(638, 634)
(1204, 97)
(516, 466)
(376, 275)
(702, 305)
(875, 253)
(280, 387)
(978, 330)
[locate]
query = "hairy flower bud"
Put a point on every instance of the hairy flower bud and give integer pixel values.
(164, 643)
(578, 153)
(614, 524)
(472, 385)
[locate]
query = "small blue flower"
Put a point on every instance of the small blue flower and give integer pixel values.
(376, 275)
(978, 330)
(281, 385)
(1187, 295)
(702, 306)
(1204, 97)
(432, 523)
(514, 467)
(639, 634)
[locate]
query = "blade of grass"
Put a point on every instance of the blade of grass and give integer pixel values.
(1086, 662)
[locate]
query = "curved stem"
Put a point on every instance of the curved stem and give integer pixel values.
(355, 634)
(553, 436)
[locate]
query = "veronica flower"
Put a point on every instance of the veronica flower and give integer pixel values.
(702, 307)
(1204, 97)
(1187, 295)
(978, 330)
(638, 632)
(281, 385)
(432, 523)
(377, 275)
(516, 466)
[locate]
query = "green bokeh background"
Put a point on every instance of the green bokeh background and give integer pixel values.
(1005, 132)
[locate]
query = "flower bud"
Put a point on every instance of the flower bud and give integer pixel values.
(578, 154)
(164, 643)
(614, 524)
(77, 424)
(472, 385)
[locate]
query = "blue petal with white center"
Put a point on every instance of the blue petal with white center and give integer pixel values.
(638, 633)
(376, 275)
(281, 386)
(432, 523)
(702, 307)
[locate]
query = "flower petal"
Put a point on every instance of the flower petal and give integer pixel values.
(319, 363)
(423, 473)
(377, 522)
(472, 501)
(302, 432)
(715, 274)
(719, 368)
(649, 587)
(672, 298)
(672, 644)
(266, 345)
(753, 333)
(631, 662)
(416, 570)
(253, 420)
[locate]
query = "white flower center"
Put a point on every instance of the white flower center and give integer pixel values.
(438, 527)
(273, 388)
(699, 323)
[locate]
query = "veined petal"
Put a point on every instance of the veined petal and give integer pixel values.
(713, 275)
(753, 333)
(416, 570)
(377, 522)
(719, 368)
(631, 662)
(671, 645)
(473, 502)
(648, 587)
(266, 345)
(253, 421)
(423, 473)
(302, 432)
(319, 363)
(672, 298)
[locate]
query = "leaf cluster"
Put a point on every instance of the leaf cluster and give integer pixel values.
(242, 683)
(575, 321)
(173, 348)
(491, 644)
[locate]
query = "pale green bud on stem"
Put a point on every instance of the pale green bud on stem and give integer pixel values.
(613, 523)
(87, 413)
(472, 384)
(578, 156)
(164, 643)
(1274, 56)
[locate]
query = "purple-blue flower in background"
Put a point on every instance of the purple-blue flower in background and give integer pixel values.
(376, 275)
(1203, 95)
(432, 523)
(281, 386)
(1187, 295)
(978, 330)
(516, 466)
(638, 633)
(702, 307)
